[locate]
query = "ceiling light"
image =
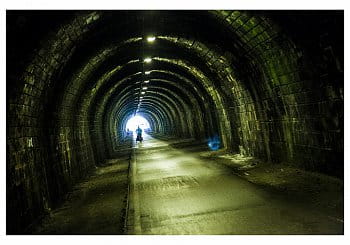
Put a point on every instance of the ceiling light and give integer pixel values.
(151, 39)
(148, 60)
(147, 81)
(143, 92)
(144, 88)
(147, 72)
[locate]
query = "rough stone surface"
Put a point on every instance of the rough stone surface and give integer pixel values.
(269, 85)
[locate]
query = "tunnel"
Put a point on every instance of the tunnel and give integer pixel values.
(258, 84)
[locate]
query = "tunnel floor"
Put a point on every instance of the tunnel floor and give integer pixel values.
(176, 192)
(95, 206)
(173, 190)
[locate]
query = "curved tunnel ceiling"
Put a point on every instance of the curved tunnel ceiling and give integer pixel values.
(120, 58)
(209, 68)
(201, 60)
(264, 86)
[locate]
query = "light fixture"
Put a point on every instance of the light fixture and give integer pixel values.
(147, 72)
(144, 88)
(147, 81)
(147, 60)
(151, 39)
(143, 92)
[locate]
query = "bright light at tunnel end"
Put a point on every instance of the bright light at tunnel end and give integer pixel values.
(137, 121)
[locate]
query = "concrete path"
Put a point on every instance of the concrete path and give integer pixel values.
(176, 192)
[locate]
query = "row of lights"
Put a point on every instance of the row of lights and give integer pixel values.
(149, 39)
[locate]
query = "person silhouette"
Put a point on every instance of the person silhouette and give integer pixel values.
(139, 134)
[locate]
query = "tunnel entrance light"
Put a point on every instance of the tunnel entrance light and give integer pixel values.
(151, 39)
(147, 72)
(147, 60)
(136, 121)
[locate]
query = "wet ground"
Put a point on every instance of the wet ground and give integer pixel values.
(175, 191)
(179, 187)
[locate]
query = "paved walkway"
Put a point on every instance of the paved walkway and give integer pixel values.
(176, 192)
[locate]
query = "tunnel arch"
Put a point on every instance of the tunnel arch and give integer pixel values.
(252, 81)
(111, 123)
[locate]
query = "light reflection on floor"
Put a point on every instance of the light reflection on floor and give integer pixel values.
(179, 193)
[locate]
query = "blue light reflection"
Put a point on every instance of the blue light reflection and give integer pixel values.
(214, 143)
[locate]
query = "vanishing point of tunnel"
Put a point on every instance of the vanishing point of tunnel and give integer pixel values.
(243, 122)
